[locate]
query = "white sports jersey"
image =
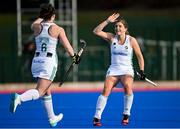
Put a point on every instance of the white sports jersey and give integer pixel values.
(44, 42)
(44, 63)
(121, 58)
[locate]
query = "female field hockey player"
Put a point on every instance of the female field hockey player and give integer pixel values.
(120, 72)
(44, 63)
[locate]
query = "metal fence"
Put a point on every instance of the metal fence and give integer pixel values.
(162, 62)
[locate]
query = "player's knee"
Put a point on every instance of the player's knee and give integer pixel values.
(41, 93)
(128, 89)
(106, 92)
(127, 86)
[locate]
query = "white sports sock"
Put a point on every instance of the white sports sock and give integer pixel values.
(101, 103)
(47, 99)
(128, 100)
(31, 94)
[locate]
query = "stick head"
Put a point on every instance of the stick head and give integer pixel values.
(146, 79)
(83, 43)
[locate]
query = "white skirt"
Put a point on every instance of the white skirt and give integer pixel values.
(118, 71)
(44, 67)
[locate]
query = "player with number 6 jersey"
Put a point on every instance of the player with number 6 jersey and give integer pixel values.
(44, 63)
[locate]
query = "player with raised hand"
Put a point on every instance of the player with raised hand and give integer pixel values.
(44, 63)
(121, 70)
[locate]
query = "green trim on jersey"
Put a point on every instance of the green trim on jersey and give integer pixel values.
(56, 57)
(53, 73)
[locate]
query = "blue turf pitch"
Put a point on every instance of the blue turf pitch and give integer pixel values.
(151, 109)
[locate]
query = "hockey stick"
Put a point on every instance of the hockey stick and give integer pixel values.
(83, 45)
(146, 79)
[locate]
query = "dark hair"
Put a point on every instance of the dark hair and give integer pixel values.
(46, 11)
(123, 21)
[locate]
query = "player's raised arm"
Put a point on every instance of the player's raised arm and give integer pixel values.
(99, 29)
(36, 22)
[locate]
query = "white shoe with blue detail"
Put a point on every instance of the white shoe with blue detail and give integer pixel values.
(15, 101)
(53, 121)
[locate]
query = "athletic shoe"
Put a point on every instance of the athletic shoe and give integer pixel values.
(125, 120)
(97, 122)
(53, 121)
(15, 101)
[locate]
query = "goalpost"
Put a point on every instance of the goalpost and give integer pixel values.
(66, 16)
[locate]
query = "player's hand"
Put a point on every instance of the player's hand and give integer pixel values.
(113, 18)
(142, 75)
(76, 58)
